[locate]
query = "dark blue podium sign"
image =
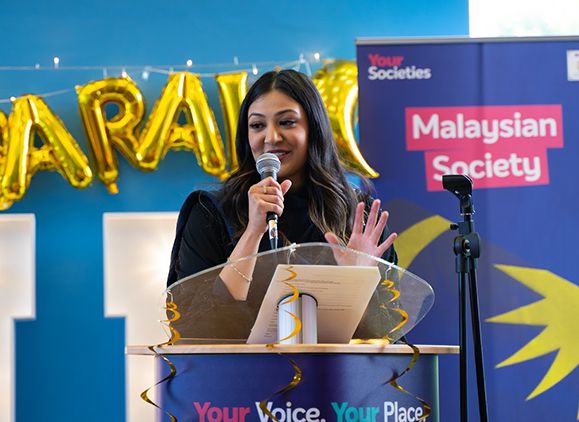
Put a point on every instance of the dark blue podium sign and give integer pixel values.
(342, 383)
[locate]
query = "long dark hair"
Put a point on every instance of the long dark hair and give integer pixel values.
(331, 199)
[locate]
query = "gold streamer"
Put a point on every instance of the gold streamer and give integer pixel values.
(291, 277)
(390, 287)
(295, 295)
(175, 336)
(297, 377)
(394, 382)
(297, 328)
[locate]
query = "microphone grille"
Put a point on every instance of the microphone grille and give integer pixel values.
(267, 162)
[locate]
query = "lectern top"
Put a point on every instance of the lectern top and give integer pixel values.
(197, 349)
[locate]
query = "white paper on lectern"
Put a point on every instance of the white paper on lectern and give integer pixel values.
(342, 293)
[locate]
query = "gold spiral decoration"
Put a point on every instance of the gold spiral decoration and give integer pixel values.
(427, 409)
(297, 376)
(390, 287)
(171, 307)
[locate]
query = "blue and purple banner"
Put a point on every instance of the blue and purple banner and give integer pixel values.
(336, 387)
(505, 112)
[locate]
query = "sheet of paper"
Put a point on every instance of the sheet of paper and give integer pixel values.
(342, 293)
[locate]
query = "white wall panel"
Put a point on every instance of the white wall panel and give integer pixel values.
(137, 249)
(17, 296)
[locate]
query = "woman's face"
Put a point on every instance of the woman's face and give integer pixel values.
(277, 124)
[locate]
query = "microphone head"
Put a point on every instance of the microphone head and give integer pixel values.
(267, 164)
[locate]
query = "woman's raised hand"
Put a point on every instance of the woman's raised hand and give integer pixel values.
(263, 197)
(366, 238)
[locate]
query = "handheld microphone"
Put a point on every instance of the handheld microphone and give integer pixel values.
(268, 165)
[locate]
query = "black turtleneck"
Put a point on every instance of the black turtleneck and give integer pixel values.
(207, 234)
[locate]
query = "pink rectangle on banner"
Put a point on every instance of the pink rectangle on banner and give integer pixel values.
(436, 128)
(488, 169)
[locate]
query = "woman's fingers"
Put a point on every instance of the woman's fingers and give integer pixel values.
(285, 186)
(372, 217)
(383, 247)
(358, 219)
(366, 238)
(267, 186)
(339, 254)
(271, 206)
(332, 238)
(268, 196)
(377, 232)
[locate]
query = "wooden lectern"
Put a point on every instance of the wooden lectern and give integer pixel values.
(219, 382)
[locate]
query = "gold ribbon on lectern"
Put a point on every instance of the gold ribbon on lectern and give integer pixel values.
(389, 306)
(297, 376)
(170, 307)
(394, 382)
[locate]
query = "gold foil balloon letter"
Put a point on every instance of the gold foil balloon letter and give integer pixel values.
(183, 95)
(338, 86)
(232, 91)
(30, 116)
(118, 132)
(4, 203)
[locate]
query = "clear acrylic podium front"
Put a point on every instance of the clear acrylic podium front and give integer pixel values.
(206, 312)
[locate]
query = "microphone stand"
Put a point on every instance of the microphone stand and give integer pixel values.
(466, 247)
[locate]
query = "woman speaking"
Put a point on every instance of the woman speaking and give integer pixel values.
(282, 114)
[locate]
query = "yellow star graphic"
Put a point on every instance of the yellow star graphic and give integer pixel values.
(558, 312)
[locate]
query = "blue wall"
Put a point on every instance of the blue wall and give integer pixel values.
(54, 379)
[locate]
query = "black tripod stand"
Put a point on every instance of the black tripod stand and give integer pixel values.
(467, 250)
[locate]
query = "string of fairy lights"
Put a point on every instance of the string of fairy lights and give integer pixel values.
(145, 71)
